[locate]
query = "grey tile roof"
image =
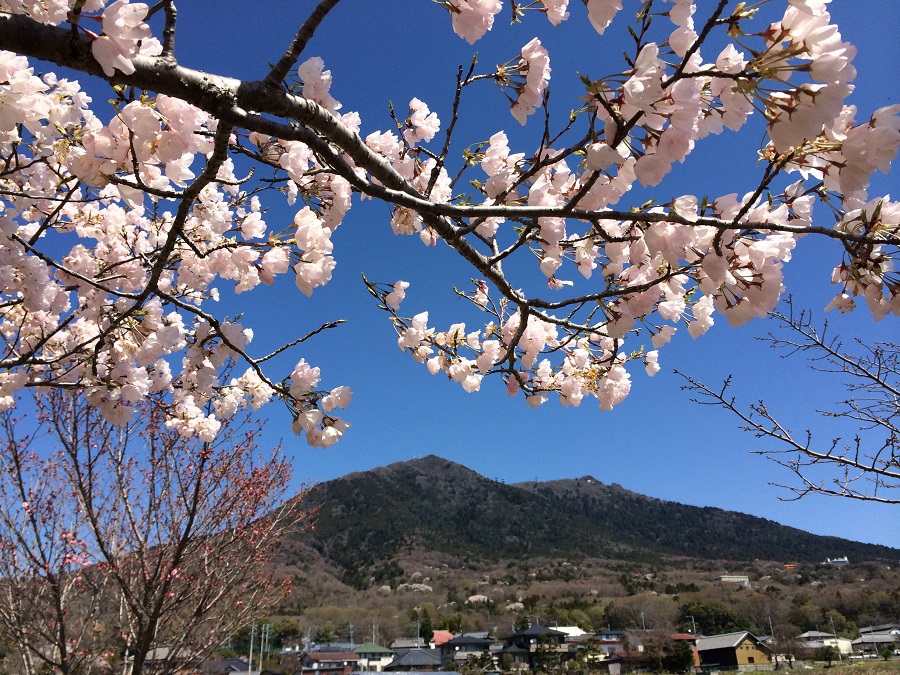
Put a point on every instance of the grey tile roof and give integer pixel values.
(414, 658)
(723, 641)
(537, 630)
(876, 638)
(461, 640)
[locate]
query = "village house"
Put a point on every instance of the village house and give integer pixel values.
(373, 657)
(739, 579)
(537, 645)
(328, 663)
(417, 659)
(459, 649)
(741, 651)
(813, 640)
(874, 644)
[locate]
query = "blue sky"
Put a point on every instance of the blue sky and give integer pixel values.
(657, 442)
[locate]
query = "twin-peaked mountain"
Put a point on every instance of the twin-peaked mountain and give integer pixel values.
(366, 519)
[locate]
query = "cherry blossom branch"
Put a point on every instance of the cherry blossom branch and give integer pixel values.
(448, 136)
(213, 164)
(711, 22)
(408, 198)
(663, 263)
(227, 99)
(325, 326)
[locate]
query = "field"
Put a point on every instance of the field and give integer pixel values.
(872, 667)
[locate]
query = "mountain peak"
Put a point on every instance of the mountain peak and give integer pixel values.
(432, 504)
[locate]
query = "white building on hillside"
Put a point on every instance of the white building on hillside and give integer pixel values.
(814, 639)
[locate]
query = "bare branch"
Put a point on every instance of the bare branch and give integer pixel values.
(867, 467)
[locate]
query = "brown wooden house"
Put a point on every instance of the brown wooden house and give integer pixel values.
(741, 651)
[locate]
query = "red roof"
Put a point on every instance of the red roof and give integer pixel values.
(683, 636)
(441, 636)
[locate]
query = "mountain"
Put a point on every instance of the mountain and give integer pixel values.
(366, 519)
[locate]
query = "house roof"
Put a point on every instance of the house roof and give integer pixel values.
(406, 643)
(332, 647)
(724, 641)
(880, 628)
(513, 649)
(413, 658)
(332, 656)
(164, 653)
(571, 631)
(440, 637)
(535, 630)
(814, 635)
(875, 638)
(372, 648)
(461, 640)
(223, 666)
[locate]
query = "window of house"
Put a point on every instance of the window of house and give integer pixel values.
(750, 659)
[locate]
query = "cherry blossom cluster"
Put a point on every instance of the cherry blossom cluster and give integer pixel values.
(533, 69)
(805, 33)
(120, 314)
(155, 211)
(659, 274)
(591, 366)
(661, 279)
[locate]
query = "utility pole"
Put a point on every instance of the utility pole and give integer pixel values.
(837, 645)
(772, 638)
(350, 626)
(252, 638)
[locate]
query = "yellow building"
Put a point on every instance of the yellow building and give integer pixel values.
(740, 651)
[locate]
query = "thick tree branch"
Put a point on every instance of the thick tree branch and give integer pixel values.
(289, 58)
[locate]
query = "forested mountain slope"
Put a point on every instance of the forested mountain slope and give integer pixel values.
(366, 519)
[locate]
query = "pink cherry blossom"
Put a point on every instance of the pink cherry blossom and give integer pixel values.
(534, 66)
(602, 12)
(423, 124)
(396, 296)
(473, 18)
(317, 83)
(556, 10)
(123, 31)
(108, 282)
